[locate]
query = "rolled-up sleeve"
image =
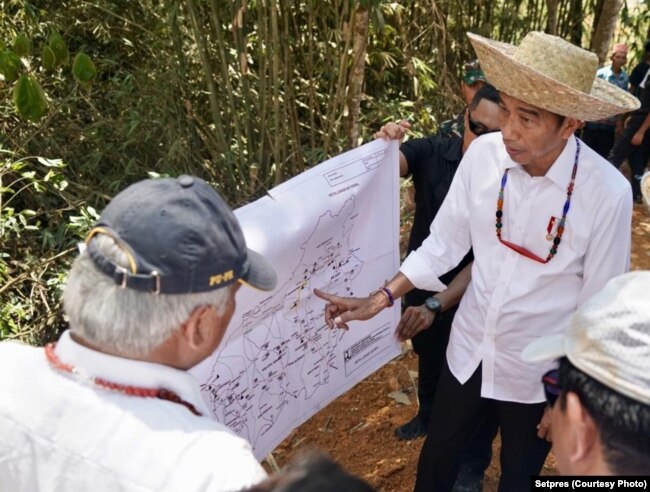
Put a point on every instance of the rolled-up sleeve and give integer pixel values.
(449, 237)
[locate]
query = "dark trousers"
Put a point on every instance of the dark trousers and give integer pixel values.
(431, 346)
(637, 156)
(457, 412)
(600, 139)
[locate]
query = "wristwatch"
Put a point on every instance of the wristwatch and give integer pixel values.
(433, 304)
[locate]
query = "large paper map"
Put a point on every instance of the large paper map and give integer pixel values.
(334, 227)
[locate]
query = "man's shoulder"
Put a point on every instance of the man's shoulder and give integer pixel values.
(433, 141)
(14, 353)
(602, 175)
(604, 72)
(488, 147)
(432, 148)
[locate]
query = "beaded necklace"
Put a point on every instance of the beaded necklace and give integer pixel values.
(162, 394)
(560, 229)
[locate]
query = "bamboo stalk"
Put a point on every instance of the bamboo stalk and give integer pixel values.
(276, 95)
(232, 113)
(209, 81)
(249, 101)
(335, 112)
(263, 45)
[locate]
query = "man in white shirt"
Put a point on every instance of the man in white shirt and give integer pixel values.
(549, 221)
(110, 406)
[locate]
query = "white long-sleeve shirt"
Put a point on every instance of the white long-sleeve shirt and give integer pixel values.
(59, 434)
(512, 299)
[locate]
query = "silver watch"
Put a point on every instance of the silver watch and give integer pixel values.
(433, 304)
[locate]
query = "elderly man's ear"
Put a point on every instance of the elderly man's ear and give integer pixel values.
(197, 329)
(197, 338)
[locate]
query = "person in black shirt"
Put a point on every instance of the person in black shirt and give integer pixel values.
(639, 71)
(634, 143)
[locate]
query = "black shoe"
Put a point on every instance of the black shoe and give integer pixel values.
(638, 198)
(413, 429)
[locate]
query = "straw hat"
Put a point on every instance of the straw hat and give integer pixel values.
(551, 73)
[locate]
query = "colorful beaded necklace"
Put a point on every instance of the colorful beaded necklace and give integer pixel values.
(560, 229)
(162, 394)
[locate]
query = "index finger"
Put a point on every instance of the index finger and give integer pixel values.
(327, 297)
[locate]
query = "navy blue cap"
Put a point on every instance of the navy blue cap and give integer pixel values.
(180, 237)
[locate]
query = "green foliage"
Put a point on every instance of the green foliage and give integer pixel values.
(243, 94)
(59, 49)
(83, 68)
(9, 65)
(40, 226)
(48, 58)
(29, 98)
(22, 46)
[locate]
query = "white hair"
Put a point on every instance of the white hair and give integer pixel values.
(126, 321)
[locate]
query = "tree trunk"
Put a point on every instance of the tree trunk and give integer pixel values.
(575, 17)
(551, 24)
(602, 36)
(355, 85)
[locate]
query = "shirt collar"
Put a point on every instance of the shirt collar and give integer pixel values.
(560, 172)
(129, 372)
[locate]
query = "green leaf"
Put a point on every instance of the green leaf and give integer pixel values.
(29, 98)
(22, 45)
(58, 47)
(48, 58)
(83, 68)
(9, 65)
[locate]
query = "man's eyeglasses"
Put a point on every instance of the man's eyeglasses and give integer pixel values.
(478, 129)
(552, 389)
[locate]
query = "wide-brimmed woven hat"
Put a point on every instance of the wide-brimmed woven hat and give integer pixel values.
(552, 74)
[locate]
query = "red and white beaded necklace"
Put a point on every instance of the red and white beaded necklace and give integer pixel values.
(160, 393)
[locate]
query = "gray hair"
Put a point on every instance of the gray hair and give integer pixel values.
(126, 321)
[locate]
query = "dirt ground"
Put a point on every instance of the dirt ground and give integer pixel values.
(357, 428)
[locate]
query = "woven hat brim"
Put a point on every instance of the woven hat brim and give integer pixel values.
(533, 87)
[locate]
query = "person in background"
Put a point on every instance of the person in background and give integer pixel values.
(634, 143)
(427, 319)
(640, 70)
(600, 395)
(110, 406)
(600, 134)
(473, 80)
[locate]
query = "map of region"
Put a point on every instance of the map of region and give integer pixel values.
(280, 363)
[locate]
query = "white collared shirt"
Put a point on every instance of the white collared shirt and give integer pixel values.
(58, 434)
(513, 300)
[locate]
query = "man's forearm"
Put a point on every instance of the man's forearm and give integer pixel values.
(454, 293)
(399, 285)
(645, 125)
